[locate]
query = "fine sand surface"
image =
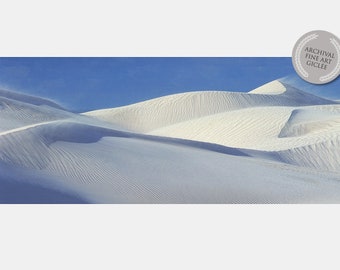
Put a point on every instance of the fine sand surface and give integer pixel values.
(275, 144)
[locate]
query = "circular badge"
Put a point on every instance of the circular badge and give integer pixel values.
(316, 57)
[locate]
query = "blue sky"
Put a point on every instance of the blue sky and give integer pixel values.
(88, 83)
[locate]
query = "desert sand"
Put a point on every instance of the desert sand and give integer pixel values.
(274, 144)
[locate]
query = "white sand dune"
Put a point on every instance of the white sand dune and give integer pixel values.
(275, 144)
(15, 113)
(28, 99)
(161, 112)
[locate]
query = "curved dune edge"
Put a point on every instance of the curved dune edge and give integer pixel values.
(275, 144)
(271, 88)
(169, 110)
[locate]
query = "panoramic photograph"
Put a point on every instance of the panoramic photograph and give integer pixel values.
(166, 130)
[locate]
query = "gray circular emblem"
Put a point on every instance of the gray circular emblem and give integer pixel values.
(316, 57)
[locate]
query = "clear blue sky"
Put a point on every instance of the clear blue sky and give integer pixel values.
(88, 83)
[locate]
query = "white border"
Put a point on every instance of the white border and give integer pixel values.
(169, 237)
(160, 28)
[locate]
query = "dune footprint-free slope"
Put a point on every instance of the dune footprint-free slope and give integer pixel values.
(275, 144)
